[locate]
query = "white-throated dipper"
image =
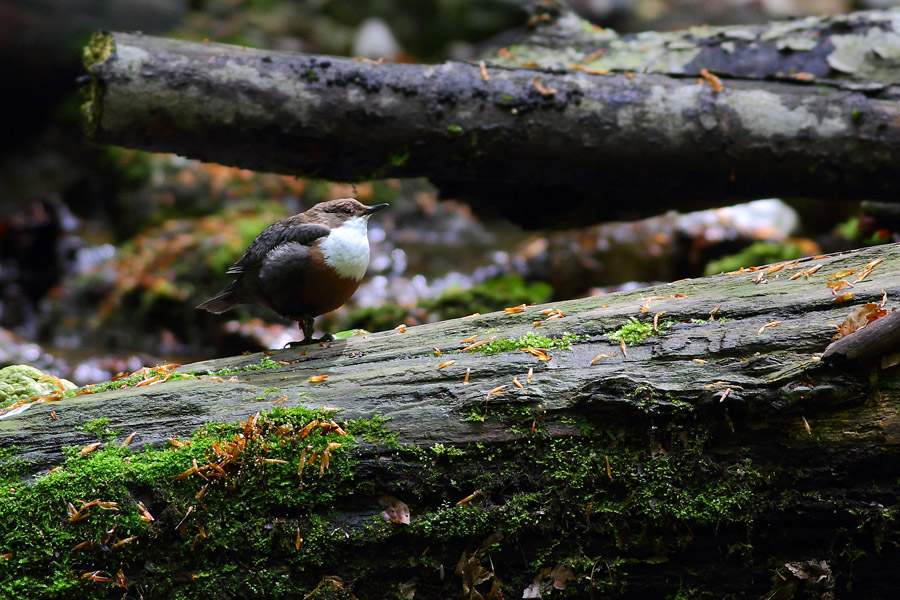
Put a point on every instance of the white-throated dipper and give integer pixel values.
(303, 266)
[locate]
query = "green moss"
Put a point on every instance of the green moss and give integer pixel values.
(453, 521)
(652, 401)
(529, 340)
(475, 415)
(99, 427)
(264, 363)
(635, 332)
(100, 47)
(454, 129)
(539, 492)
(374, 430)
(38, 530)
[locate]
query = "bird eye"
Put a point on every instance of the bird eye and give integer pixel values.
(347, 211)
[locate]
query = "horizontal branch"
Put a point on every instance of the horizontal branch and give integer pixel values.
(638, 137)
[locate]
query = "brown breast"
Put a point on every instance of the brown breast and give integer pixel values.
(315, 291)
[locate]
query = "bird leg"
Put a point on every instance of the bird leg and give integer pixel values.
(306, 325)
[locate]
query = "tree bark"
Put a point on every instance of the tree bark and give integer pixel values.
(806, 108)
(714, 454)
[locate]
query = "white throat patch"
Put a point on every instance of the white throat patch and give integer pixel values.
(346, 249)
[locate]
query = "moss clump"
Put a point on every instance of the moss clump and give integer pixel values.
(264, 363)
(529, 340)
(635, 332)
(100, 428)
(219, 523)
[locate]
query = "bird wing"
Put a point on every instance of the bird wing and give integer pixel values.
(279, 233)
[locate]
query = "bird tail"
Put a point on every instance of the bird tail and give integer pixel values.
(224, 300)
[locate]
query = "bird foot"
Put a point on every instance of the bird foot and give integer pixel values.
(310, 340)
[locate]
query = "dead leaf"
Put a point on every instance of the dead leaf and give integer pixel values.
(772, 324)
(860, 317)
(470, 497)
(600, 357)
(560, 575)
(712, 80)
(394, 510)
(543, 90)
(841, 274)
(472, 573)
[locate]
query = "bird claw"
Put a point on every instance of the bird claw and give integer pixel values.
(311, 340)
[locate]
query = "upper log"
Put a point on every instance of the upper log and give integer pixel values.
(808, 133)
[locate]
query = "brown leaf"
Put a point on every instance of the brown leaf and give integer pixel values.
(860, 317)
(394, 510)
(560, 575)
(712, 80)
(472, 573)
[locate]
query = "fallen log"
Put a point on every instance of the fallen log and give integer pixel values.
(684, 439)
(805, 109)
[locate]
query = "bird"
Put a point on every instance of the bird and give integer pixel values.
(302, 266)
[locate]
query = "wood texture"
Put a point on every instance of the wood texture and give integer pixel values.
(396, 374)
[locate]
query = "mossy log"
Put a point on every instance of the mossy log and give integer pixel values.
(720, 457)
(805, 108)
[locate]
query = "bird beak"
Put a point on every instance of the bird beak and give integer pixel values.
(375, 207)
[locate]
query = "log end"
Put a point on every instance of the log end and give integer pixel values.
(98, 50)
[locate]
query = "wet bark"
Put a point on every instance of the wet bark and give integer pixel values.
(733, 373)
(806, 108)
